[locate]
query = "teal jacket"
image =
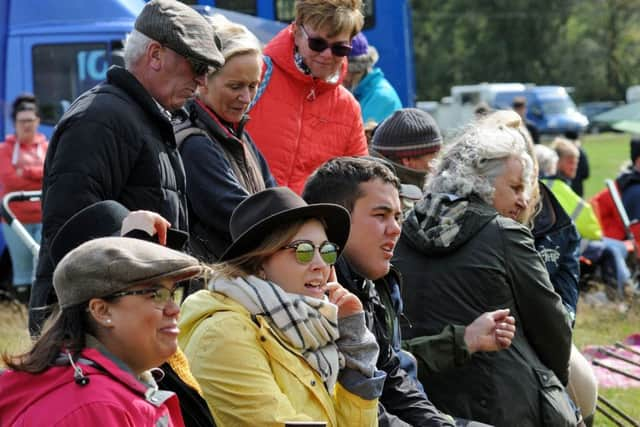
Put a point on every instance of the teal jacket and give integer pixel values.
(377, 98)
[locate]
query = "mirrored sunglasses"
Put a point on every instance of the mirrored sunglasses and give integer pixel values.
(305, 250)
(318, 44)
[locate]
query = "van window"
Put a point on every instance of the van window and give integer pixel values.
(243, 6)
(553, 106)
(471, 98)
(62, 72)
(285, 12)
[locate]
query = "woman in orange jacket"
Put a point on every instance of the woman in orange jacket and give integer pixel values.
(21, 168)
(303, 116)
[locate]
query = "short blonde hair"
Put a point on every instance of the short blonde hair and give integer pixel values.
(337, 16)
(565, 148)
(236, 39)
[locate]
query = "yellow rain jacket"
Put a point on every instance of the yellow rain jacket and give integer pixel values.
(251, 377)
(580, 211)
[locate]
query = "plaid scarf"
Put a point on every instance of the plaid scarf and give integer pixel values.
(308, 324)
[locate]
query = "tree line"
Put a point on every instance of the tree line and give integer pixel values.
(591, 45)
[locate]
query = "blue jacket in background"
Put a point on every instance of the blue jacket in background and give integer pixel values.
(629, 185)
(558, 243)
(377, 98)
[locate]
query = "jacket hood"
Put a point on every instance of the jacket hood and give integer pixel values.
(38, 139)
(628, 178)
(441, 223)
(91, 361)
(199, 307)
(551, 217)
(281, 50)
(368, 83)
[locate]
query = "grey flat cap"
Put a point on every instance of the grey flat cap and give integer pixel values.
(107, 265)
(182, 29)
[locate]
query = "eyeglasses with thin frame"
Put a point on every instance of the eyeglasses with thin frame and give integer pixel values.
(305, 250)
(160, 295)
(318, 44)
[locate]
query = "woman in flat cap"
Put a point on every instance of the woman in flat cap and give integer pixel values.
(94, 363)
(275, 338)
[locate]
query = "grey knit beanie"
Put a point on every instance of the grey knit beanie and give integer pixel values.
(409, 132)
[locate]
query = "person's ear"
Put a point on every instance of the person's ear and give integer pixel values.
(155, 55)
(100, 311)
(406, 162)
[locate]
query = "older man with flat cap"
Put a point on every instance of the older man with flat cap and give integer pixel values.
(116, 140)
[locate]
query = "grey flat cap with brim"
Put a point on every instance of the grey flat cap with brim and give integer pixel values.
(182, 29)
(103, 266)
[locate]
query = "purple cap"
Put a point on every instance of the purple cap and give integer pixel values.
(359, 45)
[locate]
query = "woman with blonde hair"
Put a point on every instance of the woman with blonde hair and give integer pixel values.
(275, 338)
(222, 164)
(303, 116)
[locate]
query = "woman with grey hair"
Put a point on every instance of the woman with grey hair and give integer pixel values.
(547, 160)
(462, 252)
(222, 164)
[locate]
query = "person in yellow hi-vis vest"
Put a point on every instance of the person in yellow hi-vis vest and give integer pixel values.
(609, 254)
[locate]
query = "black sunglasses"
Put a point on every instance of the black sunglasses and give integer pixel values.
(160, 294)
(305, 249)
(318, 44)
(199, 68)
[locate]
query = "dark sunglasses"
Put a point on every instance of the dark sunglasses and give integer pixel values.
(199, 68)
(160, 294)
(318, 44)
(305, 249)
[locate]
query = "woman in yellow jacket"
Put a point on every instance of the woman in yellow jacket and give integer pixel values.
(274, 338)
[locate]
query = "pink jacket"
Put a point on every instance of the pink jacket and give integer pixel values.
(300, 122)
(112, 397)
(21, 169)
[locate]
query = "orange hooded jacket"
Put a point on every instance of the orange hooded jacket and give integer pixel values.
(300, 122)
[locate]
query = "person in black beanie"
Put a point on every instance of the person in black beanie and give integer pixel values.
(410, 139)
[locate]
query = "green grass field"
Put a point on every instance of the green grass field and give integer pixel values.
(607, 153)
(601, 326)
(598, 326)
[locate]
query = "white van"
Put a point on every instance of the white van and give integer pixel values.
(455, 111)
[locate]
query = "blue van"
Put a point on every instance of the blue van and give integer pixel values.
(549, 108)
(59, 49)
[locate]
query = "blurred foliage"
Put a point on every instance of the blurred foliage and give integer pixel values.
(591, 45)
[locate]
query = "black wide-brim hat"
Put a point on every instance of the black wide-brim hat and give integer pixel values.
(261, 213)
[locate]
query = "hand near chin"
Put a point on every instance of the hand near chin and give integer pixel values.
(491, 331)
(347, 302)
